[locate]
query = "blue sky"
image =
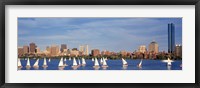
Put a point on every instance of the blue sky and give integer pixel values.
(113, 34)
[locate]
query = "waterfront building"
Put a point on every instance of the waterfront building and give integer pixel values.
(63, 46)
(178, 50)
(54, 50)
(48, 49)
(74, 52)
(171, 38)
(20, 51)
(105, 52)
(123, 53)
(95, 52)
(25, 49)
(32, 48)
(37, 50)
(84, 49)
(153, 47)
(142, 49)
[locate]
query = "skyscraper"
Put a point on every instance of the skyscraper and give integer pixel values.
(84, 49)
(20, 51)
(26, 49)
(142, 49)
(54, 50)
(95, 52)
(178, 50)
(171, 38)
(32, 48)
(153, 47)
(63, 46)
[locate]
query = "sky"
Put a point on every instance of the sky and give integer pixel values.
(113, 34)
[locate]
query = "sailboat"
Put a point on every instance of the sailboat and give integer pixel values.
(19, 63)
(65, 63)
(96, 64)
(101, 61)
(60, 65)
(169, 62)
(104, 64)
(140, 64)
(28, 66)
(65, 59)
(83, 62)
(69, 58)
(79, 62)
(36, 66)
(92, 59)
(45, 63)
(124, 62)
(106, 58)
(49, 60)
(74, 66)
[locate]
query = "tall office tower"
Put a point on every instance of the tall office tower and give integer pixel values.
(26, 49)
(48, 49)
(84, 49)
(81, 49)
(142, 49)
(87, 50)
(20, 51)
(178, 50)
(32, 48)
(171, 38)
(54, 50)
(37, 50)
(153, 47)
(95, 52)
(63, 46)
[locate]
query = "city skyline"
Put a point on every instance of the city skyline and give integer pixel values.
(112, 34)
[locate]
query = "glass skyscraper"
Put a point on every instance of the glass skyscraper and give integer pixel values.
(171, 38)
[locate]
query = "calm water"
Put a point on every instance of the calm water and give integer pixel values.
(113, 65)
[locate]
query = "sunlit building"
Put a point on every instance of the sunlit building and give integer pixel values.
(84, 49)
(123, 53)
(20, 51)
(153, 47)
(63, 46)
(32, 48)
(142, 49)
(54, 50)
(95, 52)
(178, 50)
(25, 49)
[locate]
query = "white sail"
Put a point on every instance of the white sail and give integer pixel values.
(61, 62)
(36, 63)
(19, 63)
(65, 59)
(49, 60)
(140, 64)
(96, 63)
(83, 61)
(169, 62)
(28, 63)
(92, 59)
(74, 62)
(123, 61)
(79, 62)
(104, 62)
(101, 60)
(45, 62)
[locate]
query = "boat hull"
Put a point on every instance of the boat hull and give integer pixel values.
(104, 66)
(45, 66)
